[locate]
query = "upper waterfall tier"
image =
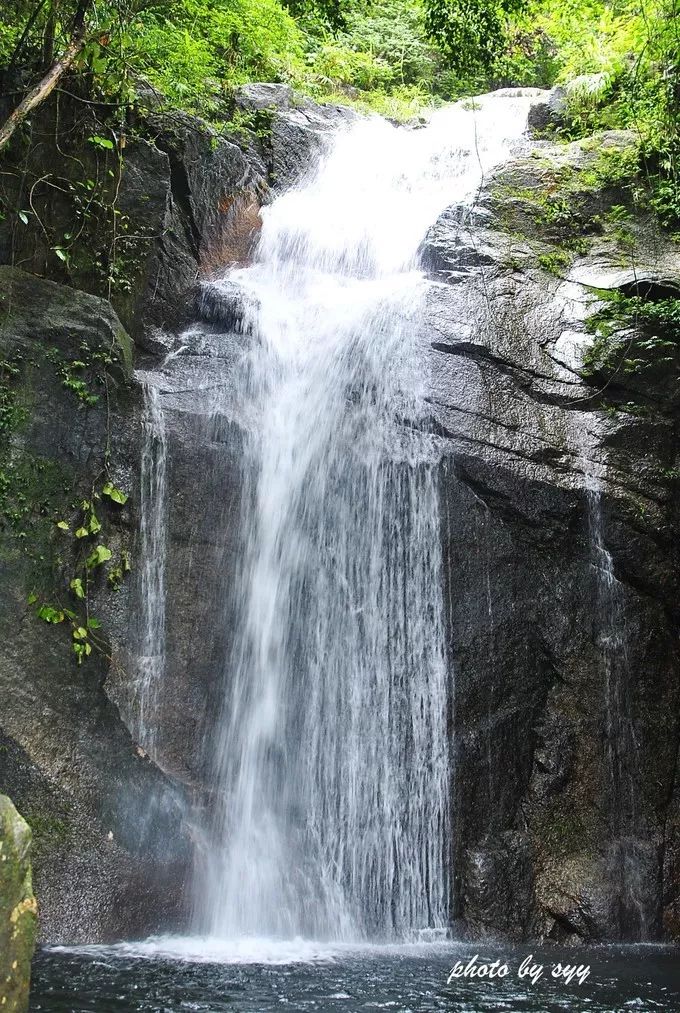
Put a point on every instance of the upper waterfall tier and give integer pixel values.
(332, 759)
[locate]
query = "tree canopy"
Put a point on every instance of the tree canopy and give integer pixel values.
(394, 56)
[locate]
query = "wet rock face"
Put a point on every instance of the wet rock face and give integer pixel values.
(565, 743)
(549, 109)
(18, 909)
(210, 190)
(559, 525)
(186, 203)
(110, 848)
(204, 432)
(294, 129)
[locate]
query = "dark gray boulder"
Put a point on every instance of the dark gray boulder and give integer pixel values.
(110, 840)
(268, 97)
(549, 110)
(197, 196)
(165, 205)
(294, 130)
(565, 737)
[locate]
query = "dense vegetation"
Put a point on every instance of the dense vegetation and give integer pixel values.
(115, 60)
(193, 51)
(394, 56)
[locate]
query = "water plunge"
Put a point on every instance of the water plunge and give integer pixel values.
(627, 856)
(150, 655)
(332, 761)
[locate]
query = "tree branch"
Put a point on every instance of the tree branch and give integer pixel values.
(43, 88)
(24, 36)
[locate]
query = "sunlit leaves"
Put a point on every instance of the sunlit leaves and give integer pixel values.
(100, 555)
(114, 494)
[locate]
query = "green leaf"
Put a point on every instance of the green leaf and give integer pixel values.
(50, 614)
(115, 494)
(93, 624)
(101, 142)
(23, 215)
(62, 254)
(94, 524)
(80, 633)
(63, 526)
(100, 555)
(81, 533)
(32, 598)
(69, 614)
(76, 586)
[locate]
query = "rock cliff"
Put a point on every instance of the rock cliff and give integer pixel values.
(558, 482)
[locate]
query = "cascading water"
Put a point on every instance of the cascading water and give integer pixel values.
(624, 860)
(153, 509)
(332, 764)
(612, 645)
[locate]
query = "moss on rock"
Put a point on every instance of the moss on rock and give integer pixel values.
(18, 909)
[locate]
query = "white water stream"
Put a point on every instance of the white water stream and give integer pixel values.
(624, 860)
(333, 760)
(150, 658)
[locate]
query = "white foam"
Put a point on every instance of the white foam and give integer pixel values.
(249, 950)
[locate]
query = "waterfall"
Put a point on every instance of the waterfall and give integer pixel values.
(625, 860)
(611, 643)
(153, 507)
(332, 814)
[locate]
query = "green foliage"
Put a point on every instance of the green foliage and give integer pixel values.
(612, 167)
(555, 262)
(114, 494)
(380, 59)
(101, 142)
(192, 50)
(618, 62)
(381, 47)
(49, 832)
(89, 562)
(11, 413)
(634, 337)
(85, 376)
(81, 642)
(471, 33)
(98, 556)
(620, 65)
(49, 614)
(665, 196)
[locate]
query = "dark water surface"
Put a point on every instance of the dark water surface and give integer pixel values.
(167, 976)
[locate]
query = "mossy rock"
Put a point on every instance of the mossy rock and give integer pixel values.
(18, 909)
(561, 192)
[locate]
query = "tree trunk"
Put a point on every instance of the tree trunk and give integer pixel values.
(50, 32)
(43, 88)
